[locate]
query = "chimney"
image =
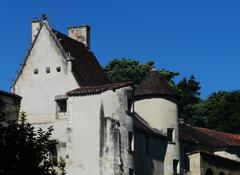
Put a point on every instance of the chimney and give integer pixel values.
(81, 34)
(35, 28)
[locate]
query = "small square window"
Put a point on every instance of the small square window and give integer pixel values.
(48, 69)
(35, 71)
(58, 69)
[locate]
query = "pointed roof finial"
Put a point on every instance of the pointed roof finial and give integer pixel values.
(44, 17)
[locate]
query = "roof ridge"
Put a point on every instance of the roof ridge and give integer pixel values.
(27, 55)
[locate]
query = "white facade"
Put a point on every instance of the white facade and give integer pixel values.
(92, 134)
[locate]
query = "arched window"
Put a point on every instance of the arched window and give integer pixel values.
(209, 172)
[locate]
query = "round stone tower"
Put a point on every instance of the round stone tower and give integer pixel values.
(156, 103)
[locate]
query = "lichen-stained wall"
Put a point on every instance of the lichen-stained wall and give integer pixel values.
(39, 90)
(201, 162)
(162, 114)
(99, 134)
(149, 154)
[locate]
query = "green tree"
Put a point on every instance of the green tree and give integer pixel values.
(24, 150)
(119, 70)
(189, 92)
(222, 111)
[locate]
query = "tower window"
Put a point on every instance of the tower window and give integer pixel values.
(130, 141)
(35, 71)
(48, 69)
(131, 171)
(170, 135)
(175, 166)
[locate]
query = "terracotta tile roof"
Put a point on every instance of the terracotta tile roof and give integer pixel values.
(141, 126)
(86, 68)
(208, 137)
(154, 84)
(88, 90)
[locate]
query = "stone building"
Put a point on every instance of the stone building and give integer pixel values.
(10, 104)
(101, 127)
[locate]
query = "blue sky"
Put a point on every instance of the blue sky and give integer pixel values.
(191, 37)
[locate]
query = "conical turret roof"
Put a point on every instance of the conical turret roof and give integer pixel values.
(154, 84)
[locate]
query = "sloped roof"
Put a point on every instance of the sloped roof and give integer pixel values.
(218, 161)
(88, 90)
(208, 137)
(154, 84)
(86, 68)
(142, 126)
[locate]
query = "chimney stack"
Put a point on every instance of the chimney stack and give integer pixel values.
(35, 28)
(81, 34)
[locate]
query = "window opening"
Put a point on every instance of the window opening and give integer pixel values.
(130, 141)
(48, 69)
(170, 135)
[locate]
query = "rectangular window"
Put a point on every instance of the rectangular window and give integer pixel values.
(170, 135)
(130, 141)
(131, 171)
(61, 106)
(175, 166)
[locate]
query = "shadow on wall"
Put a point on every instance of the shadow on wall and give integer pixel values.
(149, 154)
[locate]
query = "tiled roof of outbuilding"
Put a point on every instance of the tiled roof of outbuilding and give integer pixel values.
(88, 90)
(208, 137)
(218, 161)
(86, 68)
(154, 84)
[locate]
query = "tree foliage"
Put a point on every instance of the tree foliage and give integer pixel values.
(222, 111)
(24, 150)
(119, 70)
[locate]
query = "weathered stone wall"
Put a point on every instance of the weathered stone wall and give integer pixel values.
(99, 133)
(10, 105)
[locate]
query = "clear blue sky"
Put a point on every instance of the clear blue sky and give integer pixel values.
(192, 37)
